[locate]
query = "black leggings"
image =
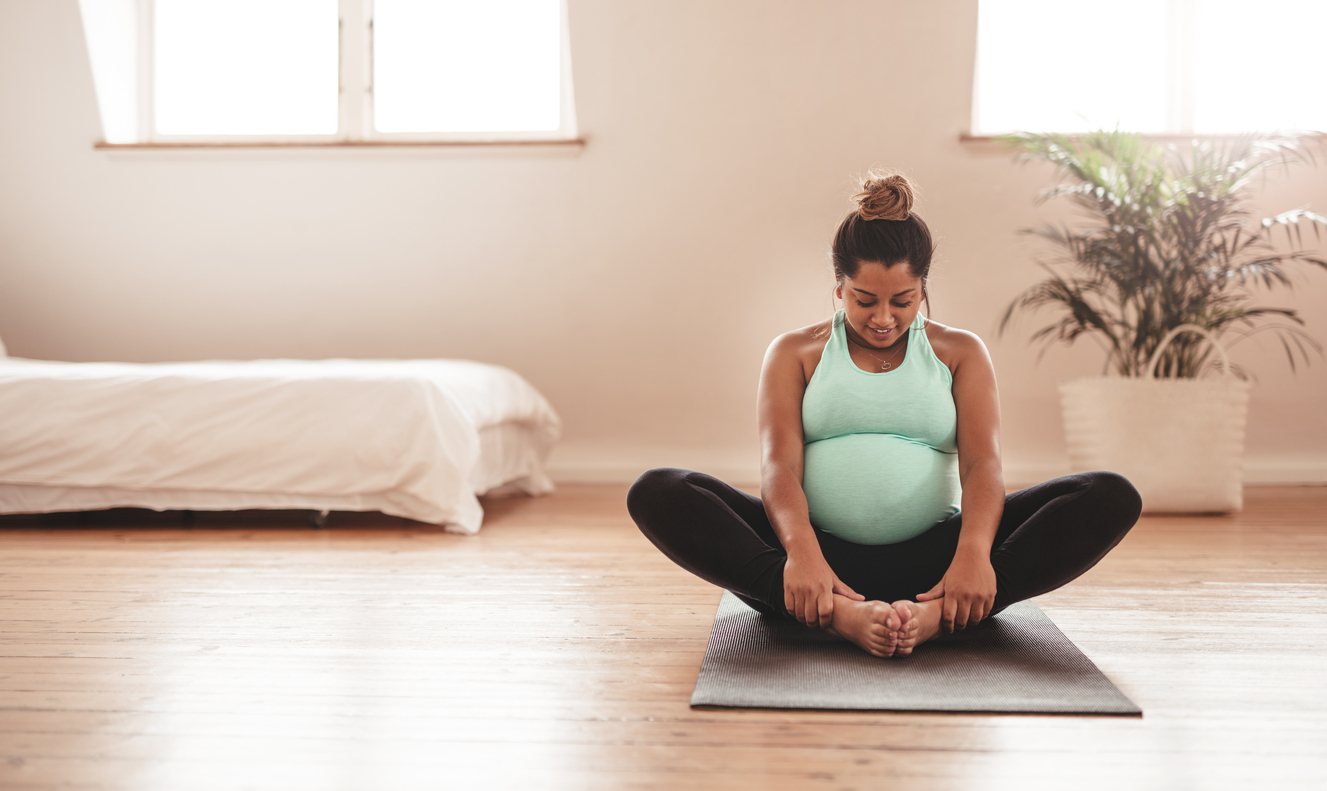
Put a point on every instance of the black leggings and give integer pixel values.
(1049, 535)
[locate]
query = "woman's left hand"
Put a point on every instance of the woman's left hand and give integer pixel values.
(968, 590)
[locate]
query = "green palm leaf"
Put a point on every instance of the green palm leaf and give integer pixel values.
(1169, 240)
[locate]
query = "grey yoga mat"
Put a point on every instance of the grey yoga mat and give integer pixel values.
(1015, 662)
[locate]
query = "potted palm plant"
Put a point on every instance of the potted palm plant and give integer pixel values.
(1164, 271)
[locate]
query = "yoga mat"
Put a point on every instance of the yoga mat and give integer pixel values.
(1014, 662)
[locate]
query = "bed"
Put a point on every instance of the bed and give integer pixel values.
(412, 438)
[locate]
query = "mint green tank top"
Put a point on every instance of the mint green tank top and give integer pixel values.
(881, 449)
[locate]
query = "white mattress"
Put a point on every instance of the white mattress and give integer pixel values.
(412, 438)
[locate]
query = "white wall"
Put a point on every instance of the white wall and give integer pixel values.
(636, 282)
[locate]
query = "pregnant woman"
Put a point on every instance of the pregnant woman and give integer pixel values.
(882, 516)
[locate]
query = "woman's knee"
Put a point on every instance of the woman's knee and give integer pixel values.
(665, 494)
(1114, 493)
(654, 487)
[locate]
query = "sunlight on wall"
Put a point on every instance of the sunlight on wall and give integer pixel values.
(111, 28)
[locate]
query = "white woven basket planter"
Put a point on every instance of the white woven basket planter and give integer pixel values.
(1179, 441)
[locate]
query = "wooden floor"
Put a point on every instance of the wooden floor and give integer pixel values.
(558, 649)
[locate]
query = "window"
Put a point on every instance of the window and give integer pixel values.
(1155, 66)
(330, 71)
(244, 67)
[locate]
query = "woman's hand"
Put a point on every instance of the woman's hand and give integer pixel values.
(809, 586)
(968, 590)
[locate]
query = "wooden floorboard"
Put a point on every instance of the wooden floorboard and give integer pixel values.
(558, 650)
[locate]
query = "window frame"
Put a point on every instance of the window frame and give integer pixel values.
(354, 101)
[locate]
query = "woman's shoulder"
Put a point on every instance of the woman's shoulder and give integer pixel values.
(812, 336)
(953, 345)
(802, 346)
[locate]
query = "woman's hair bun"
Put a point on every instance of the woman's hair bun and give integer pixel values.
(884, 196)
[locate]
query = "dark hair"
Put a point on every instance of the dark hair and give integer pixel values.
(883, 229)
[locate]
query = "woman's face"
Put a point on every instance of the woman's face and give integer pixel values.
(880, 303)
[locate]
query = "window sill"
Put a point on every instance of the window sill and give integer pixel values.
(1164, 137)
(578, 142)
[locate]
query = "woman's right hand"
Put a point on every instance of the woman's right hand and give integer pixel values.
(809, 586)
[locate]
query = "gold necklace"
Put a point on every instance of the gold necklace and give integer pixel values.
(885, 365)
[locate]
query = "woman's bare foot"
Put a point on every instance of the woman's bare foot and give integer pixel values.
(921, 622)
(872, 625)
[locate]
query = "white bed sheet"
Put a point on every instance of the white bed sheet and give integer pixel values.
(412, 438)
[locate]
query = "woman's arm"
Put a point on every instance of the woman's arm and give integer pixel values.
(968, 587)
(809, 584)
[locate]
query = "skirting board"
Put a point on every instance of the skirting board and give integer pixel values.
(623, 464)
(584, 463)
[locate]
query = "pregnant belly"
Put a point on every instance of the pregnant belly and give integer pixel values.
(878, 488)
